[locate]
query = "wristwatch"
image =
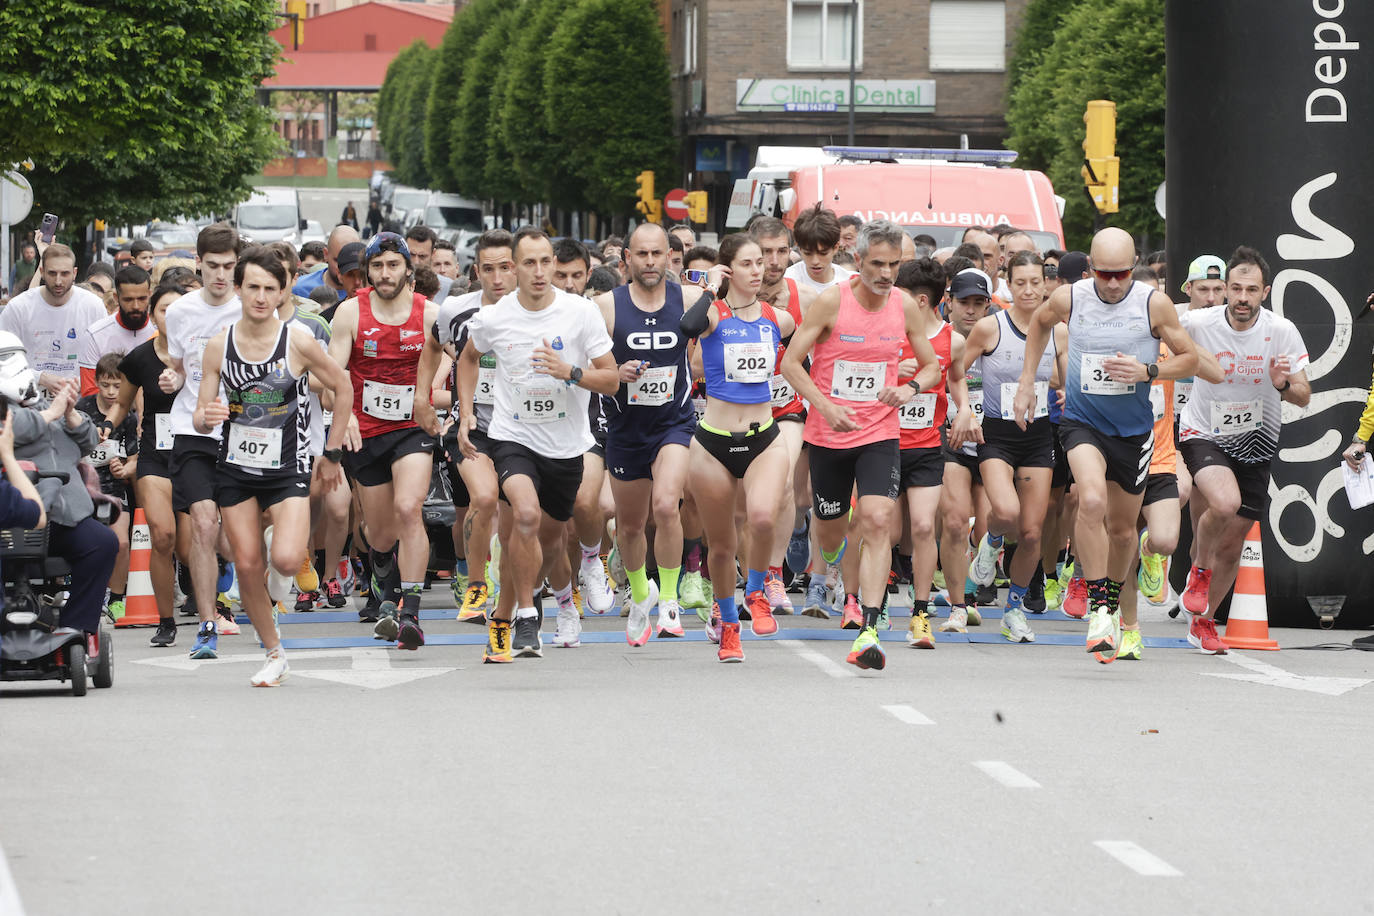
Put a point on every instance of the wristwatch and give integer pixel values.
(575, 376)
(1152, 370)
(1287, 383)
(915, 385)
(334, 454)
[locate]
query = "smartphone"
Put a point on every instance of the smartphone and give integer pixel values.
(48, 228)
(694, 276)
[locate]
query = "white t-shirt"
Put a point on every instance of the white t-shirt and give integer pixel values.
(798, 272)
(1244, 413)
(191, 324)
(545, 414)
(52, 333)
(109, 336)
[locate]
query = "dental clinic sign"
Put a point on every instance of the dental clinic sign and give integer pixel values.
(909, 96)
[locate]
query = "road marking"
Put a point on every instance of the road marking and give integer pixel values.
(1270, 676)
(370, 668)
(1006, 774)
(10, 904)
(909, 715)
(1138, 860)
(830, 667)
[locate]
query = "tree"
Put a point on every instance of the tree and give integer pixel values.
(1104, 49)
(405, 89)
(357, 113)
(133, 111)
(1039, 24)
(441, 107)
(472, 113)
(300, 103)
(607, 99)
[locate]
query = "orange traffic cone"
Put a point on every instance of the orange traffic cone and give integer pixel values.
(1248, 625)
(140, 604)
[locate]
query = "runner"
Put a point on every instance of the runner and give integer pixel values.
(817, 234)
(115, 459)
(550, 347)
(856, 331)
(1115, 327)
(1229, 431)
(48, 319)
(263, 365)
(119, 332)
(378, 336)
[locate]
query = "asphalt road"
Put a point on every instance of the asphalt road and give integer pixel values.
(978, 777)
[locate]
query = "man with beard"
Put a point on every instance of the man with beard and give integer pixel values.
(49, 318)
(121, 331)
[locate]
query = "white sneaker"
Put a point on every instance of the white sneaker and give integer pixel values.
(596, 589)
(274, 671)
(568, 630)
(669, 620)
(637, 628)
(983, 570)
(1014, 626)
(956, 622)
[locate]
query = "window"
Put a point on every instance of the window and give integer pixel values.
(369, 41)
(968, 35)
(819, 33)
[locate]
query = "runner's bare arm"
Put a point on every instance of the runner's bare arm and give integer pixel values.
(965, 426)
(928, 375)
(816, 323)
(307, 353)
(1293, 386)
(210, 411)
(467, 388)
(1054, 311)
(342, 332)
(425, 375)
(1183, 361)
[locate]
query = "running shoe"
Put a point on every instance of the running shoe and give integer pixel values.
(1054, 595)
(207, 641)
(615, 567)
(115, 609)
(1104, 633)
(1014, 626)
(1076, 599)
(274, 671)
(730, 650)
(798, 556)
(956, 622)
(166, 633)
(595, 587)
(637, 628)
(225, 622)
(1151, 577)
(919, 635)
(526, 643)
(669, 619)
(370, 609)
(853, 616)
(975, 617)
(474, 606)
(307, 580)
(388, 624)
(458, 584)
(867, 652)
(1194, 598)
(713, 625)
(334, 594)
(233, 590)
(568, 628)
(1202, 634)
(410, 636)
(983, 570)
(577, 601)
(498, 643)
(188, 607)
(305, 602)
(986, 596)
(817, 601)
(1035, 601)
(346, 577)
(777, 594)
(1131, 645)
(761, 620)
(691, 594)
(622, 599)
(938, 580)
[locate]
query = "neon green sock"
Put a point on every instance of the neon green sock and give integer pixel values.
(667, 583)
(831, 556)
(639, 583)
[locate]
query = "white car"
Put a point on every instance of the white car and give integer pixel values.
(313, 232)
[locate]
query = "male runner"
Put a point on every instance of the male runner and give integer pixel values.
(120, 331)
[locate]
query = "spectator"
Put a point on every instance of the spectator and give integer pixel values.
(142, 253)
(374, 218)
(350, 216)
(25, 267)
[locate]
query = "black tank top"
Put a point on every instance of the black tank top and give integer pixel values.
(267, 435)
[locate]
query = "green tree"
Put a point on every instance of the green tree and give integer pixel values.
(1104, 49)
(404, 92)
(473, 113)
(114, 101)
(300, 103)
(442, 105)
(357, 113)
(1039, 24)
(607, 99)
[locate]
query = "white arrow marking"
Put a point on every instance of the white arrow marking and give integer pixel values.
(1141, 861)
(1270, 676)
(820, 661)
(1006, 774)
(371, 667)
(10, 904)
(909, 715)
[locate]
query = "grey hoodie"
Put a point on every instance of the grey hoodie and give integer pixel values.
(55, 447)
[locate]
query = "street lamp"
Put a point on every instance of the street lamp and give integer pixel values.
(853, 52)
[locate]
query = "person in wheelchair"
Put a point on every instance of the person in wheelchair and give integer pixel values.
(54, 435)
(20, 504)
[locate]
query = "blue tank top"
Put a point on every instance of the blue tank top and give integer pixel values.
(1098, 330)
(661, 397)
(738, 357)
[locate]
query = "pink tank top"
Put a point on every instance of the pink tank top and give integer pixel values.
(853, 364)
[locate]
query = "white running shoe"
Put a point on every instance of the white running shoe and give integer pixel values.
(669, 619)
(983, 570)
(568, 630)
(1014, 626)
(274, 671)
(956, 622)
(596, 589)
(637, 628)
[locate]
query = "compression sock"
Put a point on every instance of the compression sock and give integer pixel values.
(383, 566)
(728, 612)
(667, 583)
(410, 597)
(460, 565)
(832, 557)
(755, 582)
(639, 584)
(1097, 593)
(1114, 594)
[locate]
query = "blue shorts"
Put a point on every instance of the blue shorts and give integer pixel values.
(636, 462)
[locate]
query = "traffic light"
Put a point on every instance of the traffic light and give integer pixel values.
(1101, 167)
(696, 206)
(296, 9)
(648, 204)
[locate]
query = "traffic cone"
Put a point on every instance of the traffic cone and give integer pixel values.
(1248, 625)
(140, 604)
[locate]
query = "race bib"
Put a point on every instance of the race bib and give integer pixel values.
(854, 381)
(105, 450)
(388, 402)
(254, 447)
(1157, 402)
(328, 418)
(782, 393)
(541, 402)
(654, 387)
(699, 405)
(1231, 418)
(1093, 378)
(975, 403)
(486, 386)
(1183, 390)
(1042, 400)
(918, 412)
(749, 362)
(162, 430)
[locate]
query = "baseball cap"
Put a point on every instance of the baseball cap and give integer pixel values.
(1205, 267)
(1073, 266)
(350, 257)
(970, 282)
(374, 247)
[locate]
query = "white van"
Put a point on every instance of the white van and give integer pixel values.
(271, 215)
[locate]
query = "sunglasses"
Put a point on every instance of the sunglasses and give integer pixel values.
(1113, 274)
